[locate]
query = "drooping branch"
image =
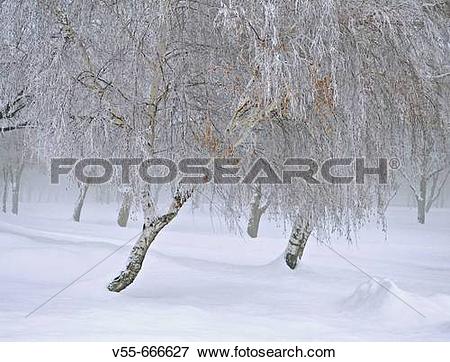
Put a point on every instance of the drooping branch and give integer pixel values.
(15, 127)
(12, 109)
(436, 190)
(91, 77)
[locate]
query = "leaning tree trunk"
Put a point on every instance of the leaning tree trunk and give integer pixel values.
(5, 189)
(422, 201)
(16, 177)
(155, 196)
(297, 242)
(148, 205)
(256, 211)
(152, 227)
(124, 212)
(432, 196)
(80, 202)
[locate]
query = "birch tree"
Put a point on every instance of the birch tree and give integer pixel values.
(317, 79)
(6, 171)
(344, 79)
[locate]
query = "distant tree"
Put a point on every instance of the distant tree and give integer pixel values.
(314, 79)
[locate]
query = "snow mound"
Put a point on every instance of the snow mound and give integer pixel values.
(382, 298)
(373, 294)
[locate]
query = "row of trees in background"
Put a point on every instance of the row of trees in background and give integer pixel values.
(246, 79)
(34, 187)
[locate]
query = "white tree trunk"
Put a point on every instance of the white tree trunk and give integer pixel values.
(124, 212)
(297, 243)
(256, 211)
(422, 201)
(5, 189)
(16, 176)
(80, 202)
(152, 227)
(436, 189)
(148, 206)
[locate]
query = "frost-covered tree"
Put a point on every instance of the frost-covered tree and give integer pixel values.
(172, 78)
(12, 163)
(19, 68)
(257, 209)
(427, 168)
(342, 79)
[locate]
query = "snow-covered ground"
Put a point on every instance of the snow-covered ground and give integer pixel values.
(200, 282)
